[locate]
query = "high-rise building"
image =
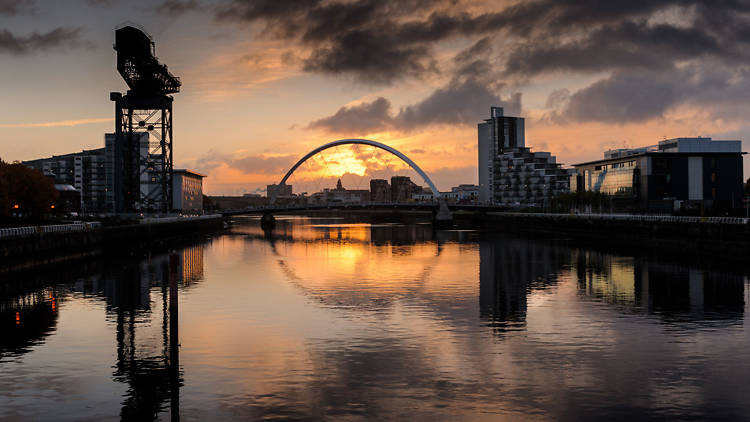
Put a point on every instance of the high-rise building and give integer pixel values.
(380, 191)
(510, 174)
(496, 135)
(85, 171)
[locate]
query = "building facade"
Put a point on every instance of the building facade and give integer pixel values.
(510, 174)
(380, 191)
(672, 174)
(279, 191)
(85, 171)
(97, 175)
(149, 191)
(402, 188)
(187, 191)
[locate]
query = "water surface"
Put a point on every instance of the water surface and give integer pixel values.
(327, 319)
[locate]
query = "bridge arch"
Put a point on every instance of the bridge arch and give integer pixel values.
(397, 153)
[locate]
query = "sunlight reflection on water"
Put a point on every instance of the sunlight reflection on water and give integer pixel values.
(332, 319)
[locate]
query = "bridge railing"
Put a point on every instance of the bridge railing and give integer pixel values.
(164, 220)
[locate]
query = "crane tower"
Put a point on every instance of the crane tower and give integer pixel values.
(142, 153)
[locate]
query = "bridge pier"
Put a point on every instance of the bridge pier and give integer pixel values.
(443, 218)
(267, 221)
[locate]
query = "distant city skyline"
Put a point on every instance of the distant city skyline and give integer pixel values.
(264, 82)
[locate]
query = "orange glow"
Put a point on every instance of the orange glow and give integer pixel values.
(15, 206)
(52, 207)
(18, 317)
(54, 308)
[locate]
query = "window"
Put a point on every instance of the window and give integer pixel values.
(713, 177)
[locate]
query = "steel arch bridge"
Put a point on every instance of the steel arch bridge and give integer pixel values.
(355, 141)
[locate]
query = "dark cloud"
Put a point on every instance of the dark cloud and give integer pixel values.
(178, 7)
(362, 118)
(632, 96)
(457, 103)
(362, 38)
(639, 44)
(15, 7)
(624, 97)
(629, 45)
(383, 40)
(56, 38)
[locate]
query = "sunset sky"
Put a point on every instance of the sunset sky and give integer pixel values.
(266, 81)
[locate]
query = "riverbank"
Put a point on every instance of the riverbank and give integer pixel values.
(40, 245)
(703, 239)
(709, 239)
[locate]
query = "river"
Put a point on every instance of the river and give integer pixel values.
(330, 319)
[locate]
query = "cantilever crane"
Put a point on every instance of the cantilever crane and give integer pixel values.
(139, 67)
(142, 166)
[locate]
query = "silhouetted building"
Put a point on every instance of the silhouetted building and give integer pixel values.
(283, 191)
(380, 190)
(676, 172)
(402, 188)
(340, 195)
(69, 199)
(511, 174)
(187, 191)
(149, 196)
(84, 170)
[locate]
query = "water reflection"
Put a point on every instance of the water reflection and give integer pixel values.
(141, 298)
(324, 319)
(674, 292)
(25, 320)
(512, 268)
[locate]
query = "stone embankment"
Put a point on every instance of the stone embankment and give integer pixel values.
(27, 246)
(715, 238)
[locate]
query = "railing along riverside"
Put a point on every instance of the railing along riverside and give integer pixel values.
(18, 232)
(15, 232)
(639, 218)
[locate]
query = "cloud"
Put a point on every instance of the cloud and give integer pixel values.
(176, 8)
(249, 164)
(456, 103)
(383, 41)
(57, 38)
(15, 7)
(363, 118)
(61, 123)
(264, 164)
(635, 96)
(640, 46)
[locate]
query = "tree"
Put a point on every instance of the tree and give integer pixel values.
(24, 190)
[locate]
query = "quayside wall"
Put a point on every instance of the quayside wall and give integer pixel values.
(28, 246)
(704, 238)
